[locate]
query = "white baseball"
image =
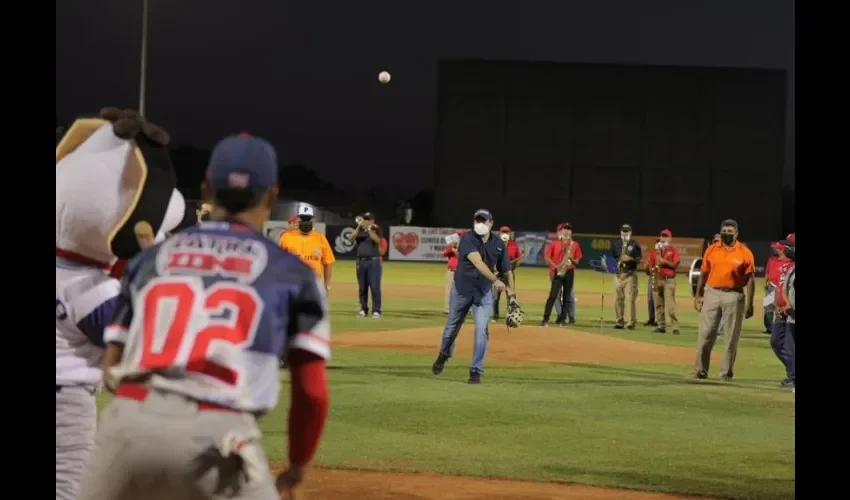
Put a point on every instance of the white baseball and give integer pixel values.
(384, 77)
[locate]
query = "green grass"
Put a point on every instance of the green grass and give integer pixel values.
(643, 427)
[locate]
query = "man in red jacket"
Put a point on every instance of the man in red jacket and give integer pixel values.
(565, 247)
(663, 264)
(782, 330)
(516, 257)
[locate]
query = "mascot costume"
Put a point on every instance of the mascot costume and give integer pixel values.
(115, 195)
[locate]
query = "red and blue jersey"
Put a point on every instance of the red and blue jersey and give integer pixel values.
(209, 312)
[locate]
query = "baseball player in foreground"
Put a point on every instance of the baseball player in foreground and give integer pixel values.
(192, 351)
(97, 223)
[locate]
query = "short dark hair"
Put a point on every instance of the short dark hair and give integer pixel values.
(236, 200)
(730, 223)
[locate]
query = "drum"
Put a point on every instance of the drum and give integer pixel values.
(694, 274)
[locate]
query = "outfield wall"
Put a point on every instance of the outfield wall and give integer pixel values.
(426, 244)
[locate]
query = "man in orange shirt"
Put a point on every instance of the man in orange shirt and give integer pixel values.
(728, 267)
(562, 283)
(312, 247)
(663, 263)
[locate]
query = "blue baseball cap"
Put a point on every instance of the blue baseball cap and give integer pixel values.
(242, 161)
(483, 213)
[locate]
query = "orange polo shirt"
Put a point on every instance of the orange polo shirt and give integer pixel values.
(312, 248)
(728, 268)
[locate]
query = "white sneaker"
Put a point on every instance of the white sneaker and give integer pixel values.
(376, 315)
(362, 314)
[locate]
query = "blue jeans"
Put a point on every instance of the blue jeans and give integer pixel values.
(459, 306)
(782, 343)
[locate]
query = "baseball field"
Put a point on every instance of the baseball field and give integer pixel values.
(562, 413)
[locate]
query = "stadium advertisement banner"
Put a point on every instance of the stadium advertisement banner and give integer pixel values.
(339, 238)
(418, 244)
(689, 249)
(533, 245)
(273, 228)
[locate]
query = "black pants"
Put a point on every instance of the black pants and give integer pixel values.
(560, 284)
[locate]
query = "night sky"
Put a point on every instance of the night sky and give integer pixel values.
(304, 73)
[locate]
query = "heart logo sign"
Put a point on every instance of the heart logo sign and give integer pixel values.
(405, 243)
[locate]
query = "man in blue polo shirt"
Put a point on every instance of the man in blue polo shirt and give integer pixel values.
(480, 253)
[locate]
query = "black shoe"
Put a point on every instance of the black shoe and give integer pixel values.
(630, 327)
(701, 375)
(283, 364)
(544, 323)
(675, 331)
(659, 330)
(474, 378)
(727, 377)
(618, 326)
(572, 321)
(650, 323)
(439, 364)
(787, 384)
(562, 324)
(766, 332)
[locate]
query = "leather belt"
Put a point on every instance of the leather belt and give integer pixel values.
(139, 392)
(366, 258)
(728, 289)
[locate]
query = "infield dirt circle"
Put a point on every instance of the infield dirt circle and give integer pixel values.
(518, 346)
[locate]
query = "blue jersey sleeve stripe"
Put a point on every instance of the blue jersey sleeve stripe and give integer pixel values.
(93, 324)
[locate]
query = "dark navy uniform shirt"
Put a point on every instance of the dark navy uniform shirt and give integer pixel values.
(494, 253)
(632, 250)
(365, 246)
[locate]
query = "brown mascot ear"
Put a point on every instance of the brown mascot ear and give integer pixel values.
(150, 170)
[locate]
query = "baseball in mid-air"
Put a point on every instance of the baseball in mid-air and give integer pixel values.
(384, 77)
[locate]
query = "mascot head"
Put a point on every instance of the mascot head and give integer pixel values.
(115, 187)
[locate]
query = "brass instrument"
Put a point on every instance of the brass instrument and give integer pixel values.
(621, 263)
(655, 271)
(568, 258)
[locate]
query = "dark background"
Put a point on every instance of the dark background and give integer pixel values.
(303, 74)
(608, 144)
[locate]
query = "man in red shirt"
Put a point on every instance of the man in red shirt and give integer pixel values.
(516, 257)
(782, 330)
(451, 253)
(564, 248)
(663, 263)
(771, 278)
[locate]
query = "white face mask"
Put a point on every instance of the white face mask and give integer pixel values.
(626, 236)
(481, 228)
(505, 237)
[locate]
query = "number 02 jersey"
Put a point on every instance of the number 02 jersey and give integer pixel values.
(208, 312)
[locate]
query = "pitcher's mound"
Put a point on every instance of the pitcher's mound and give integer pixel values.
(527, 344)
(325, 484)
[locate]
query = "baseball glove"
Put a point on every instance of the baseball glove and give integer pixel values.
(514, 315)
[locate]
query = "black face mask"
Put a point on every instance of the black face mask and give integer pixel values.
(727, 238)
(305, 226)
(774, 252)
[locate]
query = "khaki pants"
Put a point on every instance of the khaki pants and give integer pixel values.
(625, 288)
(450, 279)
(166, 437)
(719, 307)
(665, 302)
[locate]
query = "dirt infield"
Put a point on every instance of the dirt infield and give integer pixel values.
(326, 484)
(530, 344)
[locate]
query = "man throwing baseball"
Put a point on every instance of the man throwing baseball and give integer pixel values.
(479, 252)
(192, 351)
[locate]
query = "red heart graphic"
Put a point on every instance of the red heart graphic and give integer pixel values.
(405, 243)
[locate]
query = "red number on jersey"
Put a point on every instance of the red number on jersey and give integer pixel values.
(177, 299)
